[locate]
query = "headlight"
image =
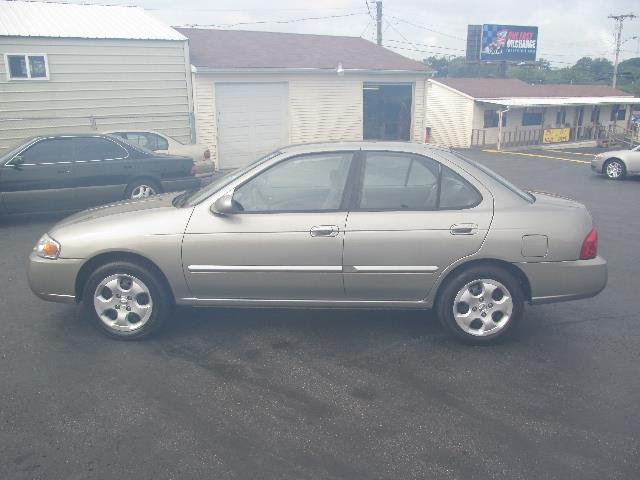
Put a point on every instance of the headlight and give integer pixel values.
(47, 247)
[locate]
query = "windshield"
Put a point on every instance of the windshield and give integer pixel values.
(498, 178)
(205, 192)
(12, 150)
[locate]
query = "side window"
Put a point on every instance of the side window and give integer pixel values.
(396, 181)
(139, 139)
(52, 150)
(304, 183)
(97, 148)
(456, 193)
(160, 142)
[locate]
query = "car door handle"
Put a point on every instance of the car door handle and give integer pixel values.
(464, 229)
(324, 231)
(64, 172)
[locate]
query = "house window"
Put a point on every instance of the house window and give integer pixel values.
(491, 119)
(531, 118)
(595, 114)
(618, 113)
(27, 67)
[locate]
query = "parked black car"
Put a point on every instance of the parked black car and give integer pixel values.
(72, 172)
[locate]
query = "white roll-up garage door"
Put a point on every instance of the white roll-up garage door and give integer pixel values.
(252, 120)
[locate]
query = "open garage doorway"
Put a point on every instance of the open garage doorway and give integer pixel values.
(387, 111)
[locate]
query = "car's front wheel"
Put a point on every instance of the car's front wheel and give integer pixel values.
(614, 169)
(481, 304)
(140, 189)
(127, 301)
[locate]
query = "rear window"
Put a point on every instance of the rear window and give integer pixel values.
(498, 178)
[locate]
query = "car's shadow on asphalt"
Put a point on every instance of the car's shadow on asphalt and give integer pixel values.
(219, 325)
(210, 328)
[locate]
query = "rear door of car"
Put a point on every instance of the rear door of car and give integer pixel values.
(412, 218)
(39, 178)
(103, 169)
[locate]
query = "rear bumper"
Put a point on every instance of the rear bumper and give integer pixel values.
(176, 185)
(561, 281)
(53, 280)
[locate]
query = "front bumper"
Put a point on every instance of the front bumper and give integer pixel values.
(177, 185)
(53, 280)
(596, 164)
(561, 281)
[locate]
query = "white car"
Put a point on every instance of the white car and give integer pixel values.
(617, 164)
(161, 143)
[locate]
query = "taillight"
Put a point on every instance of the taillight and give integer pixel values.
(589, 248)
(193, 171)
(207, 154)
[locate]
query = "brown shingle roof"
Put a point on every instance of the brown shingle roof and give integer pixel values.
(248, 49)
(511, 87)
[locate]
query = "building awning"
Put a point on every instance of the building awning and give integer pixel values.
(559, 101)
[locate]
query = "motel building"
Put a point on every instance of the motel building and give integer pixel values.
(507, 113)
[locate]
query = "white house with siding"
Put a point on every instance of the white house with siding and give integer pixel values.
(257, 91)
(77, 68)
(466, 112)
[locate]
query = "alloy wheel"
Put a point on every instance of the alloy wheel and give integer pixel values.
(483, 307)
(123, 303)
(142, 191)
(614, 170)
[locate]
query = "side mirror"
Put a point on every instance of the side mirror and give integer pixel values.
(224, 206)
(17, 160)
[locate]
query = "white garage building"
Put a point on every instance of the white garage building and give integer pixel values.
(256, 91)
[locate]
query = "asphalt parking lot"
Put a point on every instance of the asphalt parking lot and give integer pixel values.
(319, 394)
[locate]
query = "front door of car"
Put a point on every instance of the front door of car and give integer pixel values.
(283, 242)
(102, 170)
(40, 178)
(412, 218)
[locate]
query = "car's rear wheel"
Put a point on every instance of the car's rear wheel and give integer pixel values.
(143, 188)
(481, 304)
(127, 301)
(614, 169)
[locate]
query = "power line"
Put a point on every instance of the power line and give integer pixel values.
(428, 29)
(365, 29)
(427, 45)
(261, 22)
(397, 31)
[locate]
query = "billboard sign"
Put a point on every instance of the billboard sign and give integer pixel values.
(509, 43)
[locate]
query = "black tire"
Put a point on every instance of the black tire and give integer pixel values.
(621, 167)
(141, 182)
(445, 303)
(159, 299)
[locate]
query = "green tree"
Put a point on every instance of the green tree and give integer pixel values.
(586, 70)
(629, 76)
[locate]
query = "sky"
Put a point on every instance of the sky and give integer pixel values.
(568, 30)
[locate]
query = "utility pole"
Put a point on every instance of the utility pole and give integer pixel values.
(619, 21)
(379, 21)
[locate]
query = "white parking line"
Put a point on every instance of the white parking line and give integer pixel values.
(576, 153)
